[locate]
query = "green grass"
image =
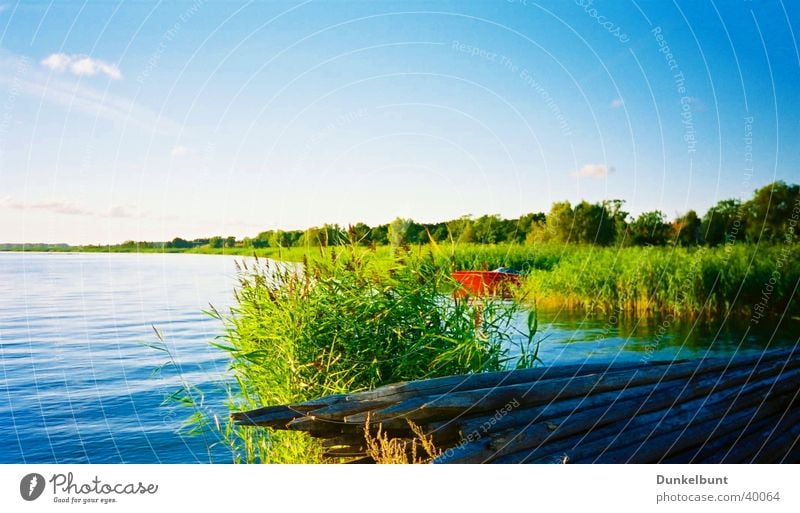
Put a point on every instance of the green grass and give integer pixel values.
(356, 318)
(351, 320)
(291, 254)
(735, 279)
(694, 281)
(708, 282)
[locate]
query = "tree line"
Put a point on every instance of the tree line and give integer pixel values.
(768, 216)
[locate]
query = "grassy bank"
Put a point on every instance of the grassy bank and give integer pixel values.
(744, 279)
(293, 254)
(356, 318)
(351, 320)
(747, 279)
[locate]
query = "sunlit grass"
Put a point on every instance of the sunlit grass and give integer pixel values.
(349, 319)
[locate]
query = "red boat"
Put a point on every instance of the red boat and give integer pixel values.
(486, 283)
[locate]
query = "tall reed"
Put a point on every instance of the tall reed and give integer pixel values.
(673, 280)
(347, 321)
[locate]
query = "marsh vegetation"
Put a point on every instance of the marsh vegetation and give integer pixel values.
(373, 306)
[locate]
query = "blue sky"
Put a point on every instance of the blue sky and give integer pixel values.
(151, 120)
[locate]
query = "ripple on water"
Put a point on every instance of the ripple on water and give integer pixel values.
(78, 380)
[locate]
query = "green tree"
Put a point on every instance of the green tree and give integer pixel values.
(313, 237)
(650, 228)
(216, 242)
(280, 239)
(520, 228)
(416, 234)
(360, 234)
(438, 231)
(769, 212)
(560, 222)
(380, 235)
(722, 222)
(333, 235)
(538, 233)
(263, 239)
(177, 242)
(620, 218)
(687, 229)
(461, 229)
(593, 224)
(488, 229)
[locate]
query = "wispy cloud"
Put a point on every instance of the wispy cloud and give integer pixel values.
(62, 207)
(594, 171)
(74, 96)
(617, 103)
(81, 65)
(54, 207)
(180, 151)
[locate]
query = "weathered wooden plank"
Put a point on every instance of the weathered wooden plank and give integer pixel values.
(643, 427)
(268, 416)
(642, 422)
(436, 386)
(341, 410)
(321, 402)
(573, 405)
(740, 445)
(596, 439)
(401, 391)
(674, 440)
(431, 408)
(747, 447)
(588, 412)
(778, 447)
(722, 440)
(343, 452)
(397, 392)
(322, 428)
(357, 440)
(539, 433)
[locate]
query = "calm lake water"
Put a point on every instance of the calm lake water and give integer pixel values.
(79, 383)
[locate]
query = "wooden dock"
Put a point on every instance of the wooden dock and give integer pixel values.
(714, 410)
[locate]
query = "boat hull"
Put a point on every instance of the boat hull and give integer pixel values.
(486, 283)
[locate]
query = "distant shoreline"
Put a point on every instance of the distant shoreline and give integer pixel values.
(288, 254)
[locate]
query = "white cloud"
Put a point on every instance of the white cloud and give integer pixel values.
(594, 171)
(81, 65)
(56, 62)
(180, 151)
(617, 103)
(66, 93)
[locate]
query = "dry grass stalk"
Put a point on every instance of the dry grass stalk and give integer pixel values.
(385, 450)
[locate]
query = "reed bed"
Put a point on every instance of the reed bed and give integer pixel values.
(745, 279)
(350, 320)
